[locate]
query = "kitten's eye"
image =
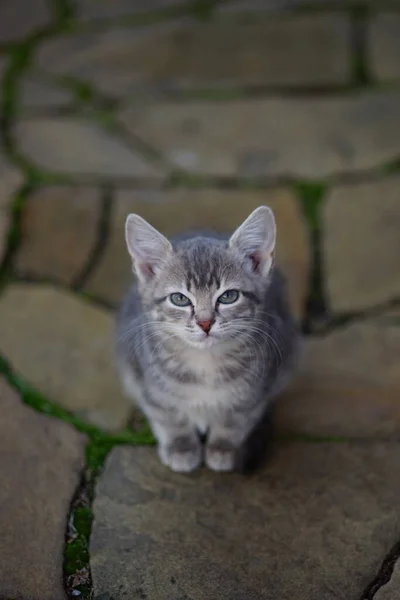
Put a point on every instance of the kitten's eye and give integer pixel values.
(179, 299)
(228, 297)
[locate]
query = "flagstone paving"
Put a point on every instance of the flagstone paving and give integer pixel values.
(193, 113)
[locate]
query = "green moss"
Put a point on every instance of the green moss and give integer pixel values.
(217, 93)
(360, 67)
(311, 195)
(392, 168)
(76, 553)
(203, 9)
(99, 437)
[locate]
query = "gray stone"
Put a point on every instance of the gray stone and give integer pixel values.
(41, 463)
(64, 346)
(245, 7)
(59, 231)
(313, 525)
(384, 46)
(73, 146)
(390, 591)
(91, 10)
(19, 18)
(347, 385)
(361, 244)
(116, 60)
(297, 51)
(313, 137)
(37, 94)
(10, 180)
(184, 210)
(306, 50)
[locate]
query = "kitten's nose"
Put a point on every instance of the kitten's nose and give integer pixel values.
(205, 325)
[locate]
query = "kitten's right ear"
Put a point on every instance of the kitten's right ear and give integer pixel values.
(255, 239)
(148, 248)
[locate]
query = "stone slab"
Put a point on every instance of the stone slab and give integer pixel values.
(59, 232)
(10, 180)
(303, 137)
(64, 346)
(37, 94)
(361, 244)
(184, 210)
(347, 385)
(117, 60)
(299, 50)
(390, 591)
(315, 524)
(294, 51)
(384, 46)
(76, 147)
(41, 463)
(246, 7)
(20, 18)
(92, 10)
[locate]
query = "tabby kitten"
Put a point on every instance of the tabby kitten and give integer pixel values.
(205, 340)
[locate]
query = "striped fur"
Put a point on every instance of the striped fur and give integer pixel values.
(189, 384)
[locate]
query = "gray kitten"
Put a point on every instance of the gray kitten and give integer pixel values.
(205, 341)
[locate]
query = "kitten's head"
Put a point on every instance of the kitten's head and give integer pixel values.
(203, 290)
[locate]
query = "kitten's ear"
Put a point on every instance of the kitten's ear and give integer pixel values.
(255, 239)
(148, 248)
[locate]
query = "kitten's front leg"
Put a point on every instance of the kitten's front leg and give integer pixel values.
(226, 438)
(179, 445)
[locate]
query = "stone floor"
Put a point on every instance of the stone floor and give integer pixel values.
(192, 113)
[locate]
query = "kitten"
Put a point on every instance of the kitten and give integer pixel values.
(205, 341)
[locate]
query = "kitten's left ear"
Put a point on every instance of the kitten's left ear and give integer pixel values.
(255, 239)
(148, 248)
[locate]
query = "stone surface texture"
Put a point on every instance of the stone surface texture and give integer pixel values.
(186, 210)
(10, 181)
(192, 113)
(361, 244)
(64, 346)
(295, 51)
(117, 61)
(86, 149)
(305, 50)
(313, 525)
(348, 384)
(41, 463)
(64, 219)
(384, 46)
(19, 18)
(106, 9)
(390, 591)
(304, 137)
(37, 94)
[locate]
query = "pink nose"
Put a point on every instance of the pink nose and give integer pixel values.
(205, 325)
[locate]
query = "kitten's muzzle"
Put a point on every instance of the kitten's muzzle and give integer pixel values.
(205, 325)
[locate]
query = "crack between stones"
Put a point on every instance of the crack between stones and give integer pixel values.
(384, 574)
(338, 321)
(102, 237)
(359, 46)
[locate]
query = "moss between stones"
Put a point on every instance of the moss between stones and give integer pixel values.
(76, 554)
(76, 558)
(311, 195)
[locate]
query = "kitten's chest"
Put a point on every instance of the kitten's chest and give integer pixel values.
(210, 389)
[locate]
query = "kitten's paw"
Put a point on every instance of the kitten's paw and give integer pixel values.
(182, 455)
(220, 455)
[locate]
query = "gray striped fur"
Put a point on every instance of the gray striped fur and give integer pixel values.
(191, 385)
